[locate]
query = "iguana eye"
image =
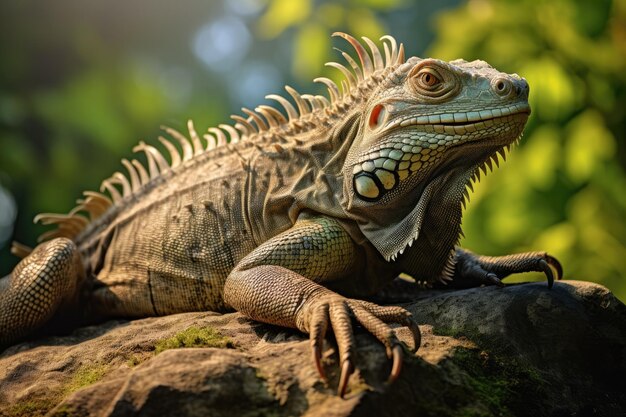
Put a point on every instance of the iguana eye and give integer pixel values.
(434, 81)
(428, 79)
(377, 116)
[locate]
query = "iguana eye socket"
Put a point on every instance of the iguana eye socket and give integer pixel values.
(377, 116)
(434, 81)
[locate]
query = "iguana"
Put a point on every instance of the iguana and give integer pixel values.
(290, 217)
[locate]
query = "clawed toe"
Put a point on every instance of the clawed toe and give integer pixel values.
(415, 332)
(474, 270)
(546, 265)
(492, 279)
(317, 333)
(396, 367)
(317, 359)
(553, 262)
(347, 369)
(548, 271)
(336, 314)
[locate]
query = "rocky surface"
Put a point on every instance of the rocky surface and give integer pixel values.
(520, 350)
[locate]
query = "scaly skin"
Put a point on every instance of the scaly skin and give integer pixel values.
(297, 216)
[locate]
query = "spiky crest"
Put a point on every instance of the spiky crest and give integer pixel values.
(357, 80)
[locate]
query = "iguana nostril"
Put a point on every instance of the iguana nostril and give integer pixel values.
(524, 89)
(520, 88)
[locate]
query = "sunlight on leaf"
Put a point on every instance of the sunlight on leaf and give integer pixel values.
(542, 156)
(283, 14)
(589, 144)
(363, 22)
(331, 14)
(310, 48)
(379, 4)
(560, 238)
(553, 93)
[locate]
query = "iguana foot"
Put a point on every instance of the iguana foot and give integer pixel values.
(336, 311)
(46, 279)
(474, 270)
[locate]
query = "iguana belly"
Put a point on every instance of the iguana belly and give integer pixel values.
(175, 257)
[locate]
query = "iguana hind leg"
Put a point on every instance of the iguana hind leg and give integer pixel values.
(473, 270)
(43, 282)
(279, 283)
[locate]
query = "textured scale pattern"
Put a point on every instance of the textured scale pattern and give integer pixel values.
(289, 216)
(313, 249)
(28, 302)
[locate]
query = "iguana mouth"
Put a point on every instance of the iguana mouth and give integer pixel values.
(383, 170)
(489, 147)
(461, 119)
(476, 122)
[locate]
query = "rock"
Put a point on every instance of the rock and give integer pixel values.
(520, 350)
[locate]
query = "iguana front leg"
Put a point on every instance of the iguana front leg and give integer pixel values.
(280, 283)
(472, 270)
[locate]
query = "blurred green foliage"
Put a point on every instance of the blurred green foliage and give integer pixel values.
(82, 82)
(564, 189)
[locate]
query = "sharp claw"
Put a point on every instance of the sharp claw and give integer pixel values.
(346, 370)
(417, 335)
(493, 279)
(318, 330)
(556, 265)
(548, 271)
(397, 364)
(317, 356)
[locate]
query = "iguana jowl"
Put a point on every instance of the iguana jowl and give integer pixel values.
(290, 219)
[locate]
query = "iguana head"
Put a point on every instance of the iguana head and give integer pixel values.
(438, 115)
(426, 129)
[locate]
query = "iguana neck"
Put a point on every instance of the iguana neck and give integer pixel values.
(313, 165)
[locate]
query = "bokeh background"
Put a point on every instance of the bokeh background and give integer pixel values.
(82, 81)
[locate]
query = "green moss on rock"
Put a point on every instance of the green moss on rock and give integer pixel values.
(195, 337)
(86, 375)
(30, 408)
(498, 382)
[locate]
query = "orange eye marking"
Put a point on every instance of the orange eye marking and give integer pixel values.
(377, 115)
